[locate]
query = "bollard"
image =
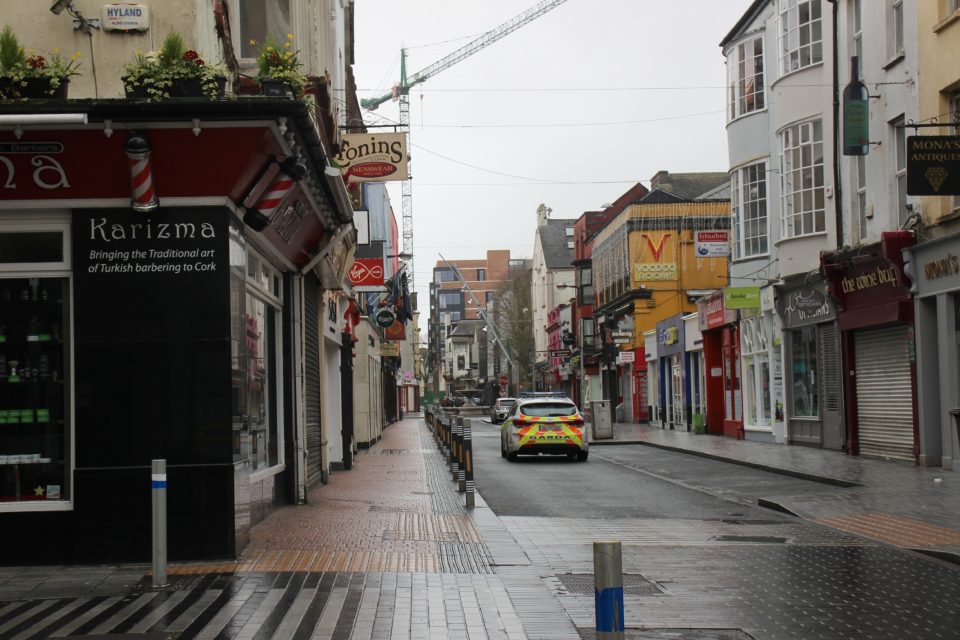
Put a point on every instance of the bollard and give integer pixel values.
(457, 430)
(461, 457)
(608, 589)
(158, 477)
(468, 462)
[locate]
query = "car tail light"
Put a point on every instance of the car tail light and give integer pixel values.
(576, 423)
(519, 424)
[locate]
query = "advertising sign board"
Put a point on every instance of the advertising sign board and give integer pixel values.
(373, 157)
(712, 244)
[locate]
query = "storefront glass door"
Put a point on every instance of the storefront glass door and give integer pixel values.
(676, 392)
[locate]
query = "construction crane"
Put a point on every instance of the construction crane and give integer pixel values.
(401, 92)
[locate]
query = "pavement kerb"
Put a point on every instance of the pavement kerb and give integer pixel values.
(744, 463)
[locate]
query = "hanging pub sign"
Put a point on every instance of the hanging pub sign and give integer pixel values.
(384, 317)
(933, 165)
(373, 157)
(396, 331)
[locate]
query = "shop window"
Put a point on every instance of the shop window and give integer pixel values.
(756, 363)
(35, 419)
(806, 399)
(260, 368)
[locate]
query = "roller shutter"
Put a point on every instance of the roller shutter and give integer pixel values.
(311, 357)
(884, 401)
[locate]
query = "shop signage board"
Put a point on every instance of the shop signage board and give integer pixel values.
(125, 17)
(933, 165)
(643, 271)
(712, 313)
(712, 244)
(373, 157)
(622, 340)
(805, 305)
(626, 357)
(741, 297)
(151, 267)
(390, 349)
(622, 334)
(366, 274)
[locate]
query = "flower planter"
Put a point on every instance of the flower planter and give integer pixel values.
(33, 88)
(181, 88)
(276, 88)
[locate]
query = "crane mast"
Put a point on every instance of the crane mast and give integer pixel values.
(428, 72)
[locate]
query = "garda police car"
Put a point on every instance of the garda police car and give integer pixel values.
(544, 425)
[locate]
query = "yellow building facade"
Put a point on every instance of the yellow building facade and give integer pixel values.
(648, 256)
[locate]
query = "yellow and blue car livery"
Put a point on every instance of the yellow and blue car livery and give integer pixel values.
(524, 434)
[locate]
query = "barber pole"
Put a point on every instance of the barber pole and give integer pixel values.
(291, 172)
(141, 174)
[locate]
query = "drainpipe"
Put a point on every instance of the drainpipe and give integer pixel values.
(837, 191)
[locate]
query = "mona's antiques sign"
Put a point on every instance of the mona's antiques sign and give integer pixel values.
(933, 165)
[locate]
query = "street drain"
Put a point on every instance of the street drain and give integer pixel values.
(633, 584)
(756, 539)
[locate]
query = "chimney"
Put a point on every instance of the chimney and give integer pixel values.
(543, 214)
(660, 181)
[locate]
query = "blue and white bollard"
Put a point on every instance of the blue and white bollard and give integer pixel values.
(158, 483)
(608, 589)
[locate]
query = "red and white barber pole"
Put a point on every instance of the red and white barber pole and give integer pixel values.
(141, 173)
(291, 172)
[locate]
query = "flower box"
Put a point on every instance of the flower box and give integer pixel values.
(33, 88)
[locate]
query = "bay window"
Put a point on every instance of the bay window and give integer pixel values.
(748, 200)
(801, 34)
(802, 177)
(745, 78)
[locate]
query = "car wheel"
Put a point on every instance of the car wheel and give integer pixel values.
(503, 450)
(511, 456)
(582, 456)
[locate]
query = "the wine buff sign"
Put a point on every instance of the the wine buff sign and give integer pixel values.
(373, 157)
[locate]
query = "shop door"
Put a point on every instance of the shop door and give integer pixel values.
(832, 434)
(884, 396)
(640, 396)
(732, 400)
(676, 393)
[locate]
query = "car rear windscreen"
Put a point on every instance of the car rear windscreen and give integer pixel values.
(549, 409)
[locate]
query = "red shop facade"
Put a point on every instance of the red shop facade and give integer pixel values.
(156, 262)
(721, 355)
(875, 317)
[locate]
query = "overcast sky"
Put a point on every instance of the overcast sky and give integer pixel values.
(570, 110)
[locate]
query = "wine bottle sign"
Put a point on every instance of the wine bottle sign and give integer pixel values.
(856, 114)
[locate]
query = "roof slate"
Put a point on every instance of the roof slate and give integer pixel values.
(553, 241)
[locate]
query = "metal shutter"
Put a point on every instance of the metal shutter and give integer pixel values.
(884, 403)
(311, 358)
(830, 367)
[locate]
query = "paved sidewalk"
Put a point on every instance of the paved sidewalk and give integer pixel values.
(385, 551)
(893, 502)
